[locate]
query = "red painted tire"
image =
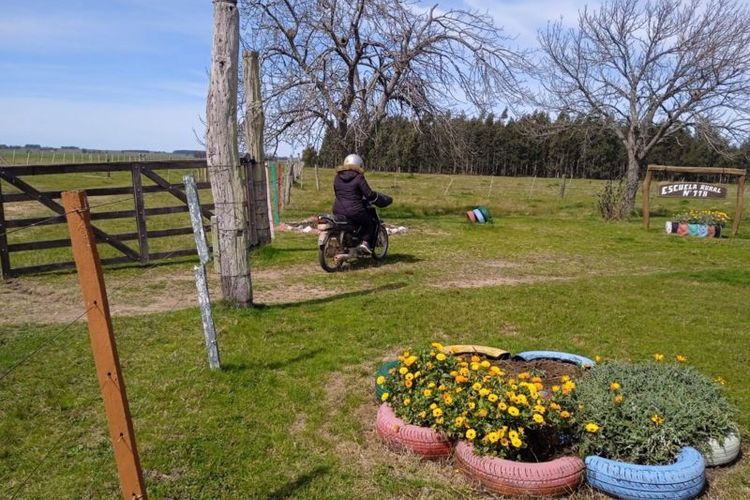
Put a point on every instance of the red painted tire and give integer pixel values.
(470, 215)
(506, 477)
(398, 435)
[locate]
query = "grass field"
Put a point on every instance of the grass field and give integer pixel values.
(291, 413)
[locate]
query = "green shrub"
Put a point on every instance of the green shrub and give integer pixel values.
(644, 413)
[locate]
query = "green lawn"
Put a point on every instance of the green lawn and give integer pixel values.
(291, 413)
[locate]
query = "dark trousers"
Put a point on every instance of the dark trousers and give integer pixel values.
(366, 223)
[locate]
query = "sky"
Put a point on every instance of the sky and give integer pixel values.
(133, 74)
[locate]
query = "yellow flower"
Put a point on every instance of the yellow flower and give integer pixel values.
(437, 412)
(454, 374)
(591, 427)
(440, 420)
(474, 366)
(598, 358)
(422, 414)
(720, 381)
(459, 421)
(427, 393)
(431, 385)
(409, 376)
(417, 374)
(517, 443)
(477, 386)
(523, 375)
(485, 364)
(408, 382)
(472, 405)
(407, 402)
(555, 388)
(657, 419)
(504, 442)
(614, 386)
(493, 437)
(564, 414)
(495, 370)
(482, 413)
(564, 378)
(492, 398)
(513, 411)
(380, 380)
(433, 406)
(447, 398)
(384, 397)
(442, 387)
(618, 399)
(539, 409)
(554, 406)
(659, 357)
(475, 359)
(521, 399)
(513, 434)
(403, 370)
(483, 392)
(458, 389)
(440, 356)
(438, 346)
(538, 418)
(680, 358)
(471, 434)
(502, 406)
(410, 360)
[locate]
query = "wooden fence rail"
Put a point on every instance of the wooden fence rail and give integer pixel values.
(142, 170)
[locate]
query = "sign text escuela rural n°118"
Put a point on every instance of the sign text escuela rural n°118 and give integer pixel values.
(691, 190)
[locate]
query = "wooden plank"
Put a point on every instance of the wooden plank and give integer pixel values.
(140, 215)
(123, 166)
(121, 214)
(56, 207)
(172, 189)
(93, 192)
(5, 269)
(697, 170)
(103, 345)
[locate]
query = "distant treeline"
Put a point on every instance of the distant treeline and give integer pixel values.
(533, 145)
(37, 147)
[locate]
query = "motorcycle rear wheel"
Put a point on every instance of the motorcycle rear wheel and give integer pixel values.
(380, 249)
(327, 254)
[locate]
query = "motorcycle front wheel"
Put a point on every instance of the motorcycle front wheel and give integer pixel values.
(327, 254)
(380, 249)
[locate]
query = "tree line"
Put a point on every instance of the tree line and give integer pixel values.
(531, 145)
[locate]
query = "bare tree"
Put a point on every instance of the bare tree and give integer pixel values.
(650, 69)
(344, 66)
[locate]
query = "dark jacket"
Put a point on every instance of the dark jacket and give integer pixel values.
(352, 193)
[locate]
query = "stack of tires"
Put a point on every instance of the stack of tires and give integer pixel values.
(479, 215)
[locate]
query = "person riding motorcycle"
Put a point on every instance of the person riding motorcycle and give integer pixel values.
(354, 196)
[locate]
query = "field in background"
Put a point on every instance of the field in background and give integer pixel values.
(292, 412)
(24, 156)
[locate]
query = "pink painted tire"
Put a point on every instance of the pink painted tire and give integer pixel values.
(398, 435)
(506, 477)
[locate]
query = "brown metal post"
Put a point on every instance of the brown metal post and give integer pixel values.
(4, 254)
(140, 212)
(645, 192)
(738, 209)
(103, 345)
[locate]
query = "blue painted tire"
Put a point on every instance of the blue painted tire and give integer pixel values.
(681, 480)
(383, 370)
(480, 217)
(557, 356)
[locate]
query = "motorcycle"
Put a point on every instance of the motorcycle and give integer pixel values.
(339, 238)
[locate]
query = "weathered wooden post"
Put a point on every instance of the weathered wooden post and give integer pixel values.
(201, 282)
(222, 156)
(254, 123)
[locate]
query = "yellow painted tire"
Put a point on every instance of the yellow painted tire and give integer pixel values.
(490, 352)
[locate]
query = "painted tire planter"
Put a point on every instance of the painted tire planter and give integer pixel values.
(398, 435)
(567, 357)
(681, 480)
(723, 453)
(697, 230)
(383, 371)
(507, 477)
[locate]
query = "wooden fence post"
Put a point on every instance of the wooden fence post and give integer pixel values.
(4, 254)
(738, 206)
(109, 373)
(140, 212)
(201, 282)
(645, 194)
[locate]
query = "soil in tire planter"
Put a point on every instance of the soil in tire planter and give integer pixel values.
(550, 371)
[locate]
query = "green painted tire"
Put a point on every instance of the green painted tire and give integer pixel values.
(383, 370)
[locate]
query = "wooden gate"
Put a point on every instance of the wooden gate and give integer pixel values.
(23, 191)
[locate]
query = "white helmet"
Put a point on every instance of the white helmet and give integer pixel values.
(354, 160)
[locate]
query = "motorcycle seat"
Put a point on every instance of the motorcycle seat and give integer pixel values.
(338, 220)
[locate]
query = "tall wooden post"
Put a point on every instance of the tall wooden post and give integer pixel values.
(4, 254)
(254, 124)
(738, 206)
(109, 374)
(645, 194)
(222, 156)
(140, 212)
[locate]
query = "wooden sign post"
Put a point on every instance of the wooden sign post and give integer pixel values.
(109, 374)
